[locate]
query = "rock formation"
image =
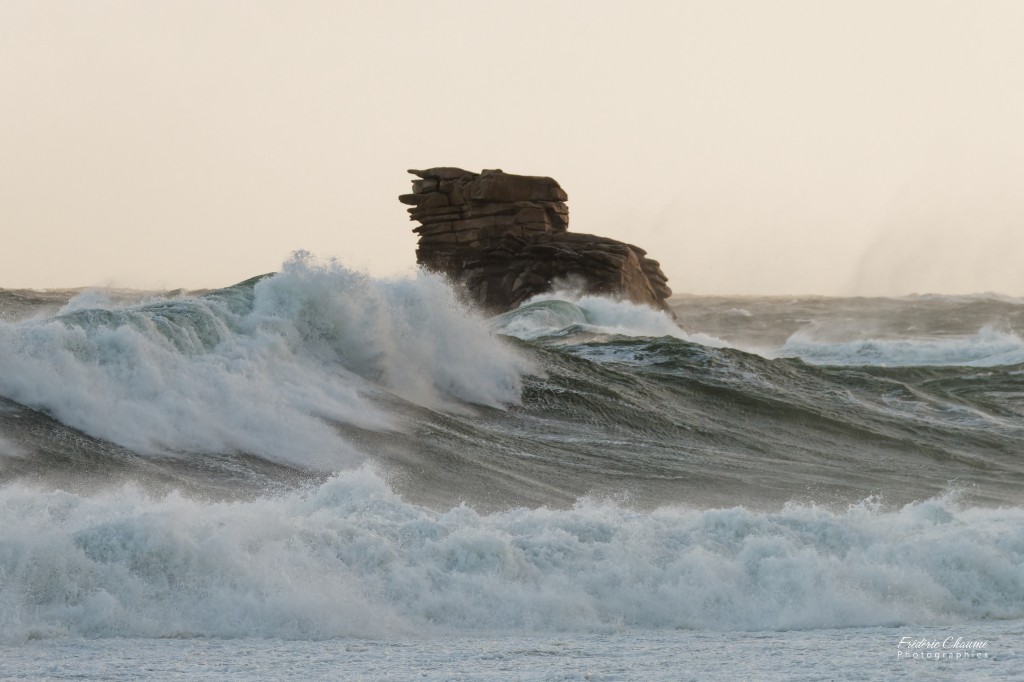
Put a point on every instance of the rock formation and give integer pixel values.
(505, 237)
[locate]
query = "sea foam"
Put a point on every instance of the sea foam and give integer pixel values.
(989, 347)
(350, 558)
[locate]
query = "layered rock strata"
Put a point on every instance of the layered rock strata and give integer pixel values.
(505, 237)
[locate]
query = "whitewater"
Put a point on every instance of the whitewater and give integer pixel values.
(318, 474)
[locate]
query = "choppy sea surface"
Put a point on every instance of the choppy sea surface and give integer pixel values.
(317, 474)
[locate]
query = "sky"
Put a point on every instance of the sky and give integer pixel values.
(785, 147)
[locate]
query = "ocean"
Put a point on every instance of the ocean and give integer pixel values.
(319, 474)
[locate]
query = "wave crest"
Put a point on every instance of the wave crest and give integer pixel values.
(263, 367)
(567, 315)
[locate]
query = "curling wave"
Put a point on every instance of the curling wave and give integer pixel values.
(265, 367)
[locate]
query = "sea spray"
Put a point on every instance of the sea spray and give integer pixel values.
(262, 368)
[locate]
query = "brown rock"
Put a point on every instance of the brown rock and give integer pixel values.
(504, 238)
(432, 229)
(418, 213)
(441, 173)
(498, 186)
(432, 200)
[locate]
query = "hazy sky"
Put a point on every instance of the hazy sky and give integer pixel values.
(772, 147)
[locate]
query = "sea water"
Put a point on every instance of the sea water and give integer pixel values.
(322, 475)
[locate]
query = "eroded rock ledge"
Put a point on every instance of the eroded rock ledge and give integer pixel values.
(505, 237)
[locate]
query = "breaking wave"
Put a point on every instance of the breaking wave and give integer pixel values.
(351, 558)
(265, 367)
(990, 347)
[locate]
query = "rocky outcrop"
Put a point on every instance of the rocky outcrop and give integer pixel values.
(505, 237)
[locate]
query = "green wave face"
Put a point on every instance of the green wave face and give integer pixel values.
(290, 377)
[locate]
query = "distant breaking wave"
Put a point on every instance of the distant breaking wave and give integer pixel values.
(988, 348)
(571, 317)
(567, 314)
